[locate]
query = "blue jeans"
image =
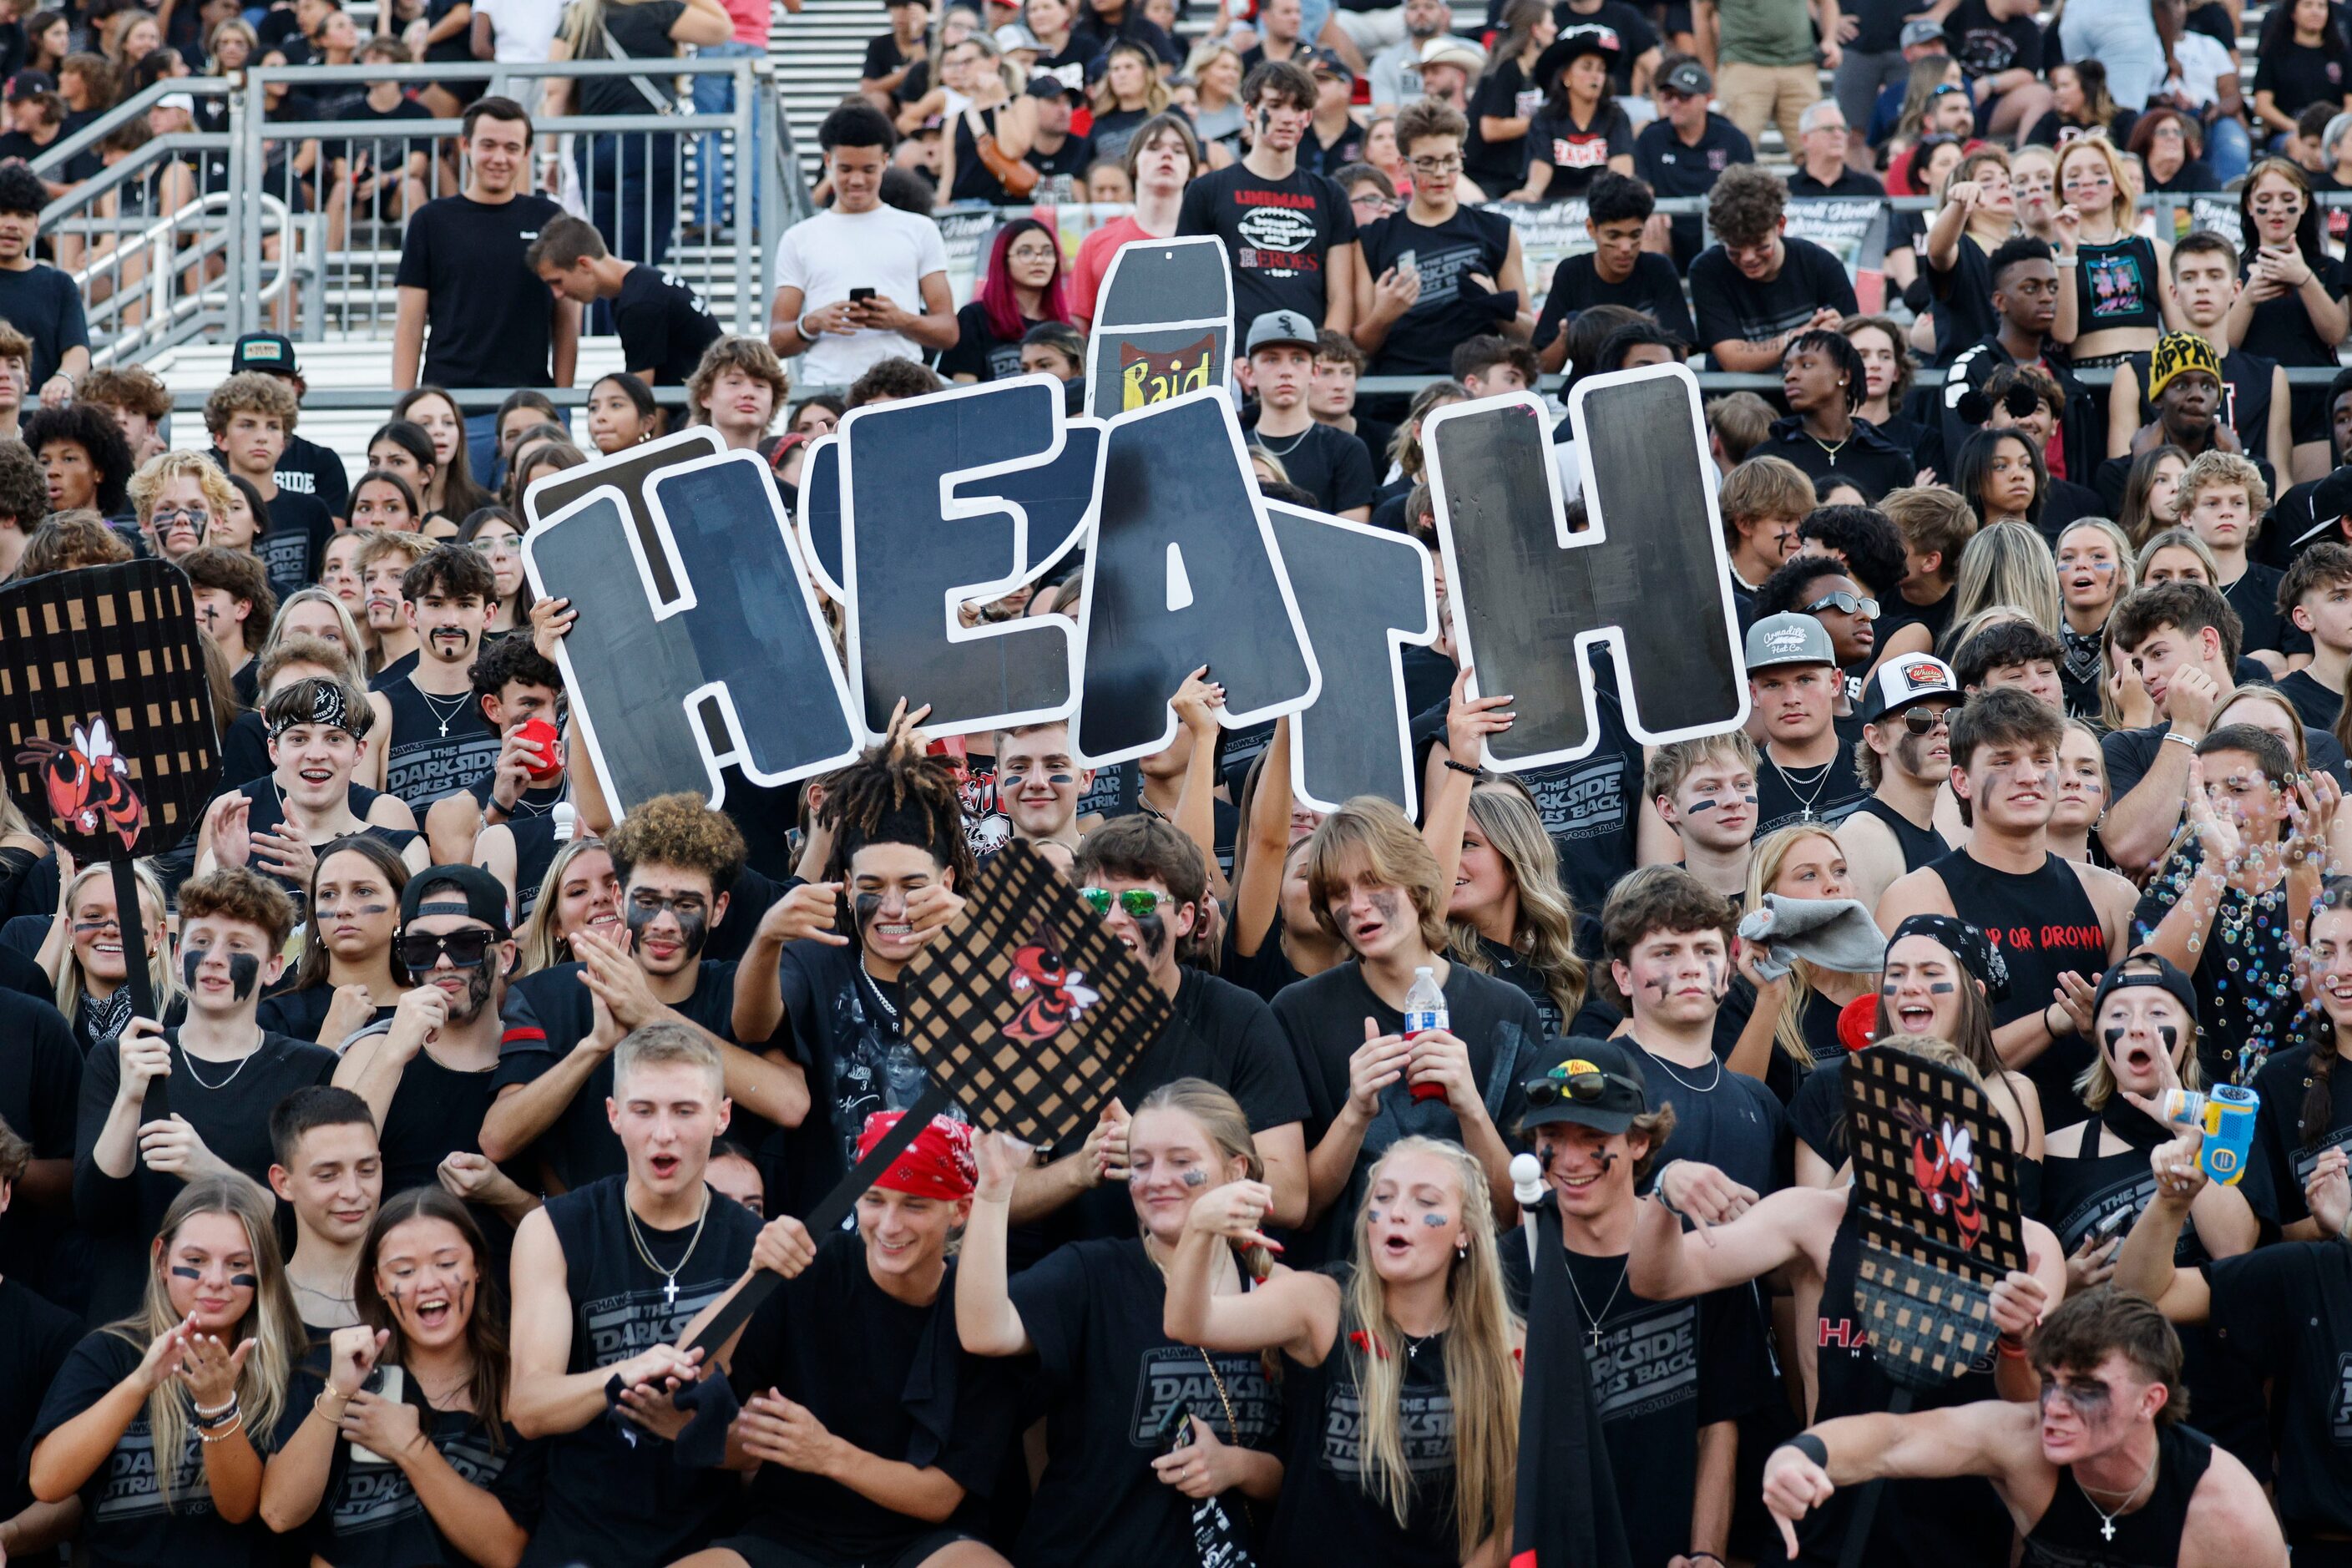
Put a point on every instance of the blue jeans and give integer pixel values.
(2230, 148)
(632, 188)
(2122, 35)
(715, 95)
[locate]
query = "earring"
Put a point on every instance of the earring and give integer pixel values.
(1461, 1249)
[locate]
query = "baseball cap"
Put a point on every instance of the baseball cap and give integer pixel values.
(2135, 970)
(1014, 35)
(1280, 327)
(272, 352)
(1918, 32)
(1594, 1083)
(30, 84)
(1899, 682)
(1323, 62)
(1448, 50)
(1690, 79)
(184, 102)
(1788, 638)
(456, 889)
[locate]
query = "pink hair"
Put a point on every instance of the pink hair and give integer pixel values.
(996, 296)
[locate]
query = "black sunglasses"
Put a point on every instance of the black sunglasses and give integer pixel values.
(1584, 1086)
(1867, 608)
(420, 951)
(1922, 720)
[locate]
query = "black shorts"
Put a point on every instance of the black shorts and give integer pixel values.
(762, 1552)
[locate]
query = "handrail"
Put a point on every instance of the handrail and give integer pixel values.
(136, 106)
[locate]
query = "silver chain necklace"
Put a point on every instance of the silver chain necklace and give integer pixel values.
(1592, 1322)
(456, 705)
(645, 1254)
(2106, 1519)
(874, 989)
(1711, 1083)
(1805, 812)
(1284, 452)
(225, 1082)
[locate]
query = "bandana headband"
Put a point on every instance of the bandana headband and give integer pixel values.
(938, 1164)
(327, 707)
(1966, 943)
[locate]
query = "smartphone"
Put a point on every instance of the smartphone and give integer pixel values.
(2111, 1224)
(385, 1383)
(860, 296)
(1175, 1428)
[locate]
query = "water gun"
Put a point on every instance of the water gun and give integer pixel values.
(2226, 1117)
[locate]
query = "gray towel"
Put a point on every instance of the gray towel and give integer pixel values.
(1836, 934)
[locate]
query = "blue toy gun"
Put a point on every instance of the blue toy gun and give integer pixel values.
(2226, 1117)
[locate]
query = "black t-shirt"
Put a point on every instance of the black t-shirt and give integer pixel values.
(1062, 168)
(1503, 93)
(642, 31)
(299, 527)
(228, 1107)
(2286, 1082)
(662, 324)
(2286, 1311)
(1963, 296)
(371, 1515)
(435, 1112)
(880, 1375)
(488, 318)
(2129, 753)
(1733, 309)
(43, 303)
(615, 1495)
(2297, 76)
(435, 745)
(1328, 463)
(40, 1089)
(1635, 35)
(1575, 151)
(2318, 705)
(1986, 46)
(1450, 308)
(2280, 329)
(302, 1013)
(35, 1337)
(884, 56)
(1676, 168)
(126, 1521)
(979, 353)
(1093, 1312)
(2254, 595)
(1278, 233)
(1849, 183)
(381, 154)
(1652, 288)
(549, 1013)
(1723, 1119)
(1324, 1018)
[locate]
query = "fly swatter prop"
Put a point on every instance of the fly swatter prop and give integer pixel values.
(106, 726)
(1026, 1013)
(1939, 1220)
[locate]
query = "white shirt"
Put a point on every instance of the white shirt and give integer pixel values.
(521, 30)
(887, 250)
(2203, 63)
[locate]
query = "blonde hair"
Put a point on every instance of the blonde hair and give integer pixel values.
(2096, 1083)
(2178, 538)
(164, 467)
(272, 1322)
(153, 906)
(2126, 568)
(2217, 469)
(541, 947)
(1545, 932)
(355, 651)
(1764, 864)
(1374, 832)
(1219, 1116)
(1481, 1375)
(2008, 563)
(2123, 211)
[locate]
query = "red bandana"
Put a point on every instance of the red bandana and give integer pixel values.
(937, 1164)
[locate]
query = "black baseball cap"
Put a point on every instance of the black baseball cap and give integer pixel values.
(456, 889)
(27, 84)
(2146, 968)
(272, 352)
(1594, 1083)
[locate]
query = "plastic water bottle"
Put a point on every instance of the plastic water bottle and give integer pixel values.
(1425, 1009)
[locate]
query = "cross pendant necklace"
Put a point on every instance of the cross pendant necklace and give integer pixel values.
(669, 1292)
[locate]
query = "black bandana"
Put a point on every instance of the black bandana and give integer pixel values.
(327, 707)
(1966, 943)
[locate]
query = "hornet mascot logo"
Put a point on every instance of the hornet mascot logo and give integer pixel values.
(1051, 993)
(89, 783)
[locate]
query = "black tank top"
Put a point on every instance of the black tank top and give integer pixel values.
(1919, 844)
(2071, 1533)
(1946, 1523)
(2106, 1192)
(2115, 286)
(267, 814)
(2044, 924)
(436, 744)
(1325, 1512)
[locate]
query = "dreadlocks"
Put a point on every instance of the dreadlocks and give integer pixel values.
(887, 796)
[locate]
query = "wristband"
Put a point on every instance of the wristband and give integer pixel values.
(2067, 260)
(1463, 768)
(215, 1415)
(2176, 735)
(2048, 1028)
(2013, 1349)
(1658, 1190)
(1811, 1447)
(1695, 1554)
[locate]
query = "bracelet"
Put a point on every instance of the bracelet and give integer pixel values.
(2053, 1030)
(2013, 1349)
(327, 1393)
(217, 1415)
(1695, 1554)
(2176, 735)
(1658, 1190)
(2066, 261)
(1811, 1447)
(1463, 768)
(222, 1435)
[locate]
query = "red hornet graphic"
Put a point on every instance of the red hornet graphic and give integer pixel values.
(88, 786)
(1052, 993)
(1943, 1165)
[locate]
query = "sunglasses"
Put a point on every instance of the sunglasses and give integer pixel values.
(1845, 602)
(1583, 1087)
(1137, 902)
(420, 951)
(1923, 719)
(1948, 90)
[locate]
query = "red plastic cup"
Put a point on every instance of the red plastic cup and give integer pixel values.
(540, 732)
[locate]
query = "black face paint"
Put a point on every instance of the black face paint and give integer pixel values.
(1153, 931)
(868, 905)
(2170, 1035)
(244, 974)
(377, 910)
(1372, 1216)
(1608, 1158)
(693, 925)
(182, 1271)
(1887, 990)
(93, 928)
(244, 1281)
(1707, 804)
(192, 959)
(1196, 1177)
(2115, 1039)
(1940, 988)
(1058, 780)
(479, 981)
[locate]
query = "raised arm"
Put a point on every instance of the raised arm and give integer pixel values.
(2144, 1266)
(1668, 1264)
(1986, 1438)
(1296, 1312)
(1257, 897)
(986, 1319)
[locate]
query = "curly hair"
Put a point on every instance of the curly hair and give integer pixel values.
(894, 377)
(92, 430)
(236, 893)
(131, 387)
(678, 830)
(24, 491)
(1871, 543)
(752, 356)
(1746, 203)
(251, 391)
(889, 797)
(164, 467)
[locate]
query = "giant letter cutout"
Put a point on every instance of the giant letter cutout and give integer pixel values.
(1649, 576)
(931, 476)
(1163, 324)
(628, 472)
(735, 667)
(1053, 496)
(1182, 571)
(1365, 592)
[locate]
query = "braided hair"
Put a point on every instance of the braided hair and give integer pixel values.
(889, 796)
